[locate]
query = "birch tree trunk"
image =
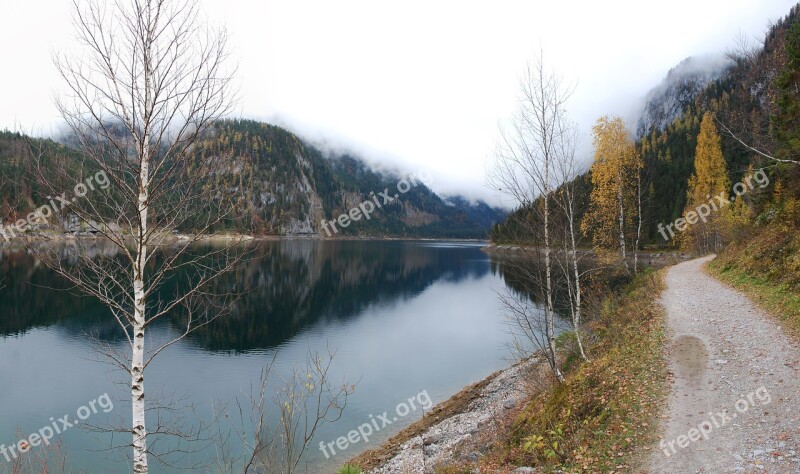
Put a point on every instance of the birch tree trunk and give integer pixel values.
(142, 96)
(576, 318)
(524, 171)
(139, 426)
(551, 321)
(621, 218)
(639, 220)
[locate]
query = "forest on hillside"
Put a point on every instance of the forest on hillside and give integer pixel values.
(753, 106)
(278, 183)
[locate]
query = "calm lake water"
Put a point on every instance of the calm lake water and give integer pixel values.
(402, 317)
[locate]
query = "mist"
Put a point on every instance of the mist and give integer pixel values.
(414, 85)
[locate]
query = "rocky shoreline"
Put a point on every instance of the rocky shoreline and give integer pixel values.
(460, 429)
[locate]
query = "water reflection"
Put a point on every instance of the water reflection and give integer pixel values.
(289, 286)
(402, 317)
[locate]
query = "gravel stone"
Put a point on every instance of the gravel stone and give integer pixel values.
(706, 319)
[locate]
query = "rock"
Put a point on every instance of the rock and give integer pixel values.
(473, 456)
(524, 470)
(434, 438)
(509, 404)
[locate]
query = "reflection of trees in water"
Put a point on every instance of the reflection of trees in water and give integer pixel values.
(294, 285)
(515, 272)
(513, 269)
(32, 296)
(290, 285)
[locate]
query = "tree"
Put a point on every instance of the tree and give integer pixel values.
(566, 173)
(525, 170)
(615, 185)
(710, 179)
(304, 400)
(144, 94)
(771, 78)
(787, 105)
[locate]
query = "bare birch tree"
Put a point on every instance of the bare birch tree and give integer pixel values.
(303, 401)
(524, 171)
(567, 175)
(639, 215)
(145, 88)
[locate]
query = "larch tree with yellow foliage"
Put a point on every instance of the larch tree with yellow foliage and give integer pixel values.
(709, 181)
(613, 203)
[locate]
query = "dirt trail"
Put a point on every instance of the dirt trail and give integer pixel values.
(734, 405)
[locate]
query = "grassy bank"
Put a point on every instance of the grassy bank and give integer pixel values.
(605, 416)
(766, 267)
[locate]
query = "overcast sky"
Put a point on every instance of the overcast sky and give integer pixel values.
(421, 83)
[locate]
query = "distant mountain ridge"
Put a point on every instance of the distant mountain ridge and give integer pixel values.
(678, 90)
(481, 213)
(285, 186)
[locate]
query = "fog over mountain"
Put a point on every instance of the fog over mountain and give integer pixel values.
(667, 101)
(386, 82)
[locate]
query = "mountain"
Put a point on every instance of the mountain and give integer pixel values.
(478, 211)
(286, 186)
(666, 102)
(289, 187)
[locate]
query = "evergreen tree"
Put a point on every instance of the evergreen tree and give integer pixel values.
(786, 120)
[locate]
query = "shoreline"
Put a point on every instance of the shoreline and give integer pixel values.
(649, 256)
(20, 243)
(459, 428)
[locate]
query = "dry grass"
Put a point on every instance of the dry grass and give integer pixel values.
(604, 418)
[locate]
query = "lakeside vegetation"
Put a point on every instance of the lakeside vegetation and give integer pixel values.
(605, 414)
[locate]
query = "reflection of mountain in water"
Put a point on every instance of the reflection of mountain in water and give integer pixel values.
(292, 285)
(31, 296)
(296, 284)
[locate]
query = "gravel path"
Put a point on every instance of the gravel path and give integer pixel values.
(734, 405)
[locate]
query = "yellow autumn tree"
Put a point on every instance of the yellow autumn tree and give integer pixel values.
(613, 205)
(708, 194)
(737, 221)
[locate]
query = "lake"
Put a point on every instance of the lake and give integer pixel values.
(403, 318)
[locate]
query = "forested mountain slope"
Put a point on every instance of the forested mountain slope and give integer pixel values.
(284, 186)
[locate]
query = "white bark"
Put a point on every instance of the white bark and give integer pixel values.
(139, 429)
(639, 220)
(551, 314)
(576, 303)
(621, 218)
(566, 178)
(149, 84)
(524, 171)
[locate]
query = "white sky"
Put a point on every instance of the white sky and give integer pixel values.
(419, 82)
